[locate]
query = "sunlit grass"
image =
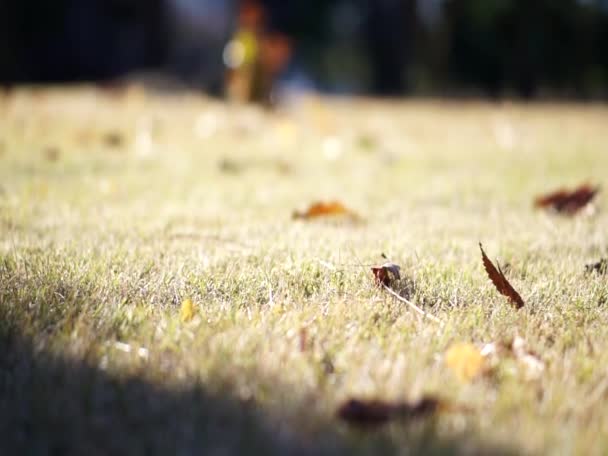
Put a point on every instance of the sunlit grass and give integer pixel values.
(114, 208)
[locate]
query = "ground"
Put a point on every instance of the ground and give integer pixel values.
(118, 205)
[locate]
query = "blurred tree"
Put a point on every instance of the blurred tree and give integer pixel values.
(68, 40)
(523, 45)
(559, 47)
(390, 34)
(387, 35)
(8, 64)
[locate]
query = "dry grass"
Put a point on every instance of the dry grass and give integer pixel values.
(114, 207)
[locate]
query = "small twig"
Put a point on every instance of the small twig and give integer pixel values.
(408, 302)
(414, 306)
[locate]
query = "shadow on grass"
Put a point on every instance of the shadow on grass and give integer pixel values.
(53, 406)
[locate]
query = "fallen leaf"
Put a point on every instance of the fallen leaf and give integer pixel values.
(385, 274)
(466, 361)
(383, 277)
(500, 281)
(323, 209)
(373, 413)
(601, 267)
(187, 310)
(567, 201)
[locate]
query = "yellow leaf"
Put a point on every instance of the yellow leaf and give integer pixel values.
(465, 360)
(187, 310)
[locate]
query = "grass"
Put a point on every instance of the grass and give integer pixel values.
(115, 207)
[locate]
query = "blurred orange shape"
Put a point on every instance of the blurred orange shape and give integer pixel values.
(324, 209)
(466, 361)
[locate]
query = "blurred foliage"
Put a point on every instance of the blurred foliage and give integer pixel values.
(555, 47)
(497, 46)
(515, 44)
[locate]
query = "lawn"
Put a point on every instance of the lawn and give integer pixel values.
(116, 206)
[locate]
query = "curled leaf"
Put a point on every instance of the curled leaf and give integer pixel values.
(500, 281)
(324, 209)
(187, 310)
(373, 413)
(385, 274)
(466, 361)
(567, 202)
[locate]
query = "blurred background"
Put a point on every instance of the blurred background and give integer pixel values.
(248, 49)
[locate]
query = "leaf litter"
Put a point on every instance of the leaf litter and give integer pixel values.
(568, 202)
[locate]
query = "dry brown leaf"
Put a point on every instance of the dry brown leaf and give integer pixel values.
(466, 361)
(385, 274)
(373, 413)
(567, 201)
(500, 281)
(324, 209)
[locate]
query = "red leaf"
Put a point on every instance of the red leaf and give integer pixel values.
(567, 201)
(500, 281)
(385, 274)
